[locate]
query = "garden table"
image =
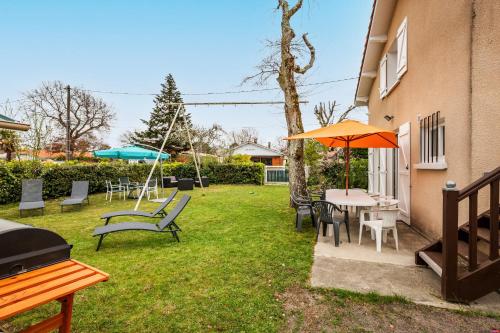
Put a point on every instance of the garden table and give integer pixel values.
(355, 198)
(59, 282)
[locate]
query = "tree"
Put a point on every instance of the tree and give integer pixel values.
(242, 136)
(284, 65)
(207, 140)
(326, 116)
(9, 140)
(88, 114)
(160, 119)
(40, 133)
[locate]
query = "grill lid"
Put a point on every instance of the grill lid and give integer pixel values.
(24, 248)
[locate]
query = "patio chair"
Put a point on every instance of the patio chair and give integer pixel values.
(304, 207)
(110, 189)
(31, 196)
(204, 181)
(158, 212)
(386, 221)
(170, 181)
(127, 185)
(79, 193)
(185, 184)
(152, 187)
(326, 212)
(167, 224)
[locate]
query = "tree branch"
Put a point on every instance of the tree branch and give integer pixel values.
(312, 58)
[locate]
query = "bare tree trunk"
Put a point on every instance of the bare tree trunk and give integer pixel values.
(286, 79)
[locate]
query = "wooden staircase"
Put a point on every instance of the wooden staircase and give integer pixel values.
(467, 257)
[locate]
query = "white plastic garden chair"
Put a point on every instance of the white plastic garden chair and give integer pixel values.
(385, 221)
(152, 187)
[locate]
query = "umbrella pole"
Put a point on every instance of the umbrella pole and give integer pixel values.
(347, 157)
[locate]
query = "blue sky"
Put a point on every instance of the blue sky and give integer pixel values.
(207, 46)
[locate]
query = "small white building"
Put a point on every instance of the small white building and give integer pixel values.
(260, 153)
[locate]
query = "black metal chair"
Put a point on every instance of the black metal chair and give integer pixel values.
(304, 207)
(326, 215)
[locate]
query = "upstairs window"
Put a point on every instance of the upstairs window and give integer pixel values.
(395, 62)
(432, 140)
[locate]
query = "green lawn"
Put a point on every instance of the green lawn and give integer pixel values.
(238, 251)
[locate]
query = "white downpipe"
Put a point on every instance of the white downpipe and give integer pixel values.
(158, 157)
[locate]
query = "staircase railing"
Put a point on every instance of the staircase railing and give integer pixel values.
(482, 278)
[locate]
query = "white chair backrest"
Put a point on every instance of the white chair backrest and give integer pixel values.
(389, 217)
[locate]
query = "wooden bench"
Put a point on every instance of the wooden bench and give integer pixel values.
(59, 282)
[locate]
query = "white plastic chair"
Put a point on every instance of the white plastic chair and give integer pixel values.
(152, 187)
(386, 221)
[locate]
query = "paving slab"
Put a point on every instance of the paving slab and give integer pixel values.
(361, 269)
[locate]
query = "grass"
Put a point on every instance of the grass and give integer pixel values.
(238, 250)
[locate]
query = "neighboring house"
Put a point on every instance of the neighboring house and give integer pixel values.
(260, 154)
(11, 124)
(431, 72)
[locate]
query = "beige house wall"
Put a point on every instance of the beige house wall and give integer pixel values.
(439, 45)
(485, 107)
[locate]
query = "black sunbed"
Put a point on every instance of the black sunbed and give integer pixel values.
(158, 212)
(167, 224)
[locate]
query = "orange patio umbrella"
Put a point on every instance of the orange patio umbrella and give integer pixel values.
(350, 134)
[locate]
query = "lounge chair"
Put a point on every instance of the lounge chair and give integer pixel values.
(158, 212)
(79, 193)
(31, 196)
(167, 224)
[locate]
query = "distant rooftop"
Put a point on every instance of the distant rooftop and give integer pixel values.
(9, 123)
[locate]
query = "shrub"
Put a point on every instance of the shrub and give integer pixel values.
(57, 177)
(239, 159)
(358, 176)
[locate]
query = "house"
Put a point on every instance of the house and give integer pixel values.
(11, 124)
(260, 153)
(431, 72)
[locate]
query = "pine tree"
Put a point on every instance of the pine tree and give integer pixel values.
(160, 119)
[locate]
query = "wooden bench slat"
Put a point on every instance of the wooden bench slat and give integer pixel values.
(39, 279)
(45, 287)
(29, 275)
(32, 302)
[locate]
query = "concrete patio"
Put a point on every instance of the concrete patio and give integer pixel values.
(360, 268)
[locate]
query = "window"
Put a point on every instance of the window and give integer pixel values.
(394, 63)
(432, 142)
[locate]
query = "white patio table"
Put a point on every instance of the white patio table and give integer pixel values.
(355, 198)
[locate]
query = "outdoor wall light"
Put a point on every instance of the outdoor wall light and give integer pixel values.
(388, 118)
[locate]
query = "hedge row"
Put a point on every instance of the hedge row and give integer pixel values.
(57, 178)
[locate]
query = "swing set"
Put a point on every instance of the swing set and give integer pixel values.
(181, 109)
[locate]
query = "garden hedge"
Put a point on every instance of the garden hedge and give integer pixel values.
(57, 178)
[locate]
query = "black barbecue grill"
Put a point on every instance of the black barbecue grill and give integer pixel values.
(24, 248)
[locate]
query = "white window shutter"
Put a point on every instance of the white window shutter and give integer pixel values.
(402, 43)
(383, 76)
